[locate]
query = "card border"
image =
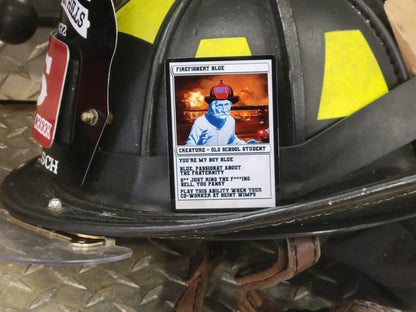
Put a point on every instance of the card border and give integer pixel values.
(171, 128)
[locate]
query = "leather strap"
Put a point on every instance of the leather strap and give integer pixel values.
(322, 160)
(201, 266)
(300, 254)
(359, 306)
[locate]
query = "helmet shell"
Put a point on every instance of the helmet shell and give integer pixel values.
(126, 190)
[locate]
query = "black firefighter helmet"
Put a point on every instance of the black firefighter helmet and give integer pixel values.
(324, 78)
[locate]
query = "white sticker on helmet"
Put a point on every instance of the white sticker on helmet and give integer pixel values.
(77, 15)
(222, 139)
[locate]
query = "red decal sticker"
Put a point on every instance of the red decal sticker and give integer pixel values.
(49, 100)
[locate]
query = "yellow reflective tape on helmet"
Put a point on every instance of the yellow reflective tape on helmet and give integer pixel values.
(352, 76)
(217, 47)
(142, 18)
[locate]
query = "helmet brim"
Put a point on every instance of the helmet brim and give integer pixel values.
(27, 191)
(232, 99)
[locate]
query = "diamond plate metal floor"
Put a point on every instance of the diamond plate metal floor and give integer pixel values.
(22, 65)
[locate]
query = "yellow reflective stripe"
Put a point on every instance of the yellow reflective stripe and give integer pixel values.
(142, 18)
(217, 47)
(352, 76)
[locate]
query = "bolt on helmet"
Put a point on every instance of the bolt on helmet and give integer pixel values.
(321, 134)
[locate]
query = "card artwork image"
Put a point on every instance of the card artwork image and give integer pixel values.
(222, 134)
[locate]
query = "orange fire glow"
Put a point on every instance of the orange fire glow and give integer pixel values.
(251, 89)
(194, 99)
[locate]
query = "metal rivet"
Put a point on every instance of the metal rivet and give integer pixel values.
(90, 117)
(55, 204)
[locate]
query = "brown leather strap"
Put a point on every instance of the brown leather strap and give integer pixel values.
(300, 254)
(202, 264)
(359, 306)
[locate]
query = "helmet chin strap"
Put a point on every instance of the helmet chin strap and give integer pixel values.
(353, 143)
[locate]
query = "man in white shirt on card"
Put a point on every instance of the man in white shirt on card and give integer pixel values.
(216, 127)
